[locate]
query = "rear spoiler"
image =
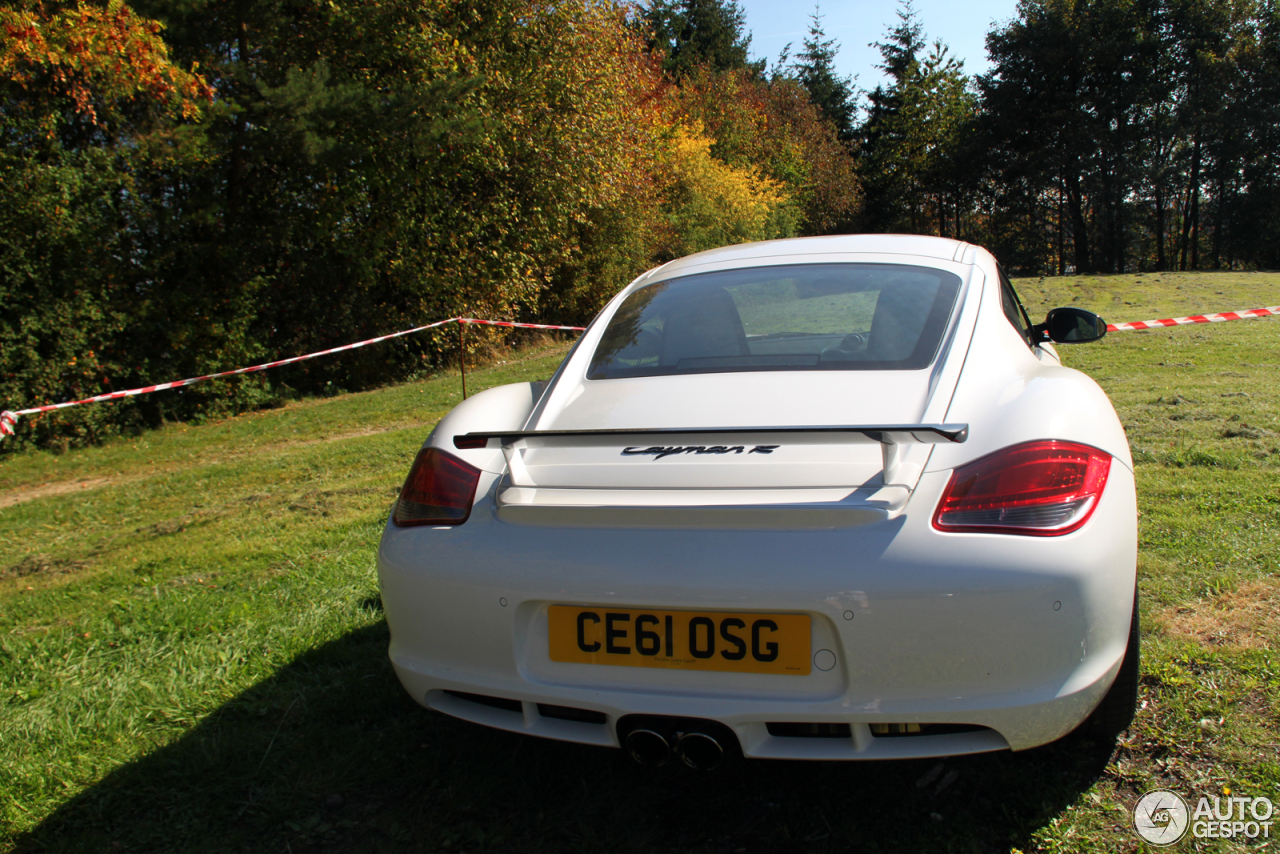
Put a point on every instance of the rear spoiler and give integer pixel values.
(889, 436)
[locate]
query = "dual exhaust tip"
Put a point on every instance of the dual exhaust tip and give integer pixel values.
(698, 748)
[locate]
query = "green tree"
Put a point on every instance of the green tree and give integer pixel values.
(1205, 42)
(90, 101)
(691, 34)
(1064, 115)
(1254, 218)
(913, 135)
(364, 166)
(339, 170)
(814, 67)
(441, 157)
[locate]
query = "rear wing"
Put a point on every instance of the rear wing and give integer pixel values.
(889, 436)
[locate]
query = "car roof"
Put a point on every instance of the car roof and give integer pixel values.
(940, 248)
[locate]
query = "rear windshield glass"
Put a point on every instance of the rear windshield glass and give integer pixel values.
(804, 317)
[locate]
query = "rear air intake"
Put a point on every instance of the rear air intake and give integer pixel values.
(803, 730)
(1042, 489)
(568, 713)
(907, 730)
(492, 702)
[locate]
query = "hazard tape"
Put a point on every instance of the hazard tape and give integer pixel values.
(520, 325)
(1246, 314)
(9, 420)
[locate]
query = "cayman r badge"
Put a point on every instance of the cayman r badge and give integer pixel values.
(657, 452)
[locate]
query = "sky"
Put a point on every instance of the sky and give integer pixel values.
(855, 24)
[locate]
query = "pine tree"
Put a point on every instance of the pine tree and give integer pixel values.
(911, 138)
(901, 56)
(815, 69)
(902, 51)
(700, 33)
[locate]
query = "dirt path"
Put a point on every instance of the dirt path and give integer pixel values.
(46, 490)
(22, 494)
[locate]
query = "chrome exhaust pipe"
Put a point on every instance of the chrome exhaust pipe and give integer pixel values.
(700, 751)
(647, 747)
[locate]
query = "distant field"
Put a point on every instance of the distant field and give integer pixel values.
(193, 656)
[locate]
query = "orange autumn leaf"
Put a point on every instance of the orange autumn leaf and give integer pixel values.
(94, 55)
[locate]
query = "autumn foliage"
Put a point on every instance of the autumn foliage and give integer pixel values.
(93, 56)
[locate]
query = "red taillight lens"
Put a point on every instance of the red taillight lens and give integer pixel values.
(1039, 488)
(438, 491)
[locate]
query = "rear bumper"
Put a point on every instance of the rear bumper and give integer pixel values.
(1036, 724)
(1021, 635)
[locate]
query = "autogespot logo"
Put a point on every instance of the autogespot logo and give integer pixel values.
(1162, 817)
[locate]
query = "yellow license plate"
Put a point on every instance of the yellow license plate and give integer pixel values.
(681, 640)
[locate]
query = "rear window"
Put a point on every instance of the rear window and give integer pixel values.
(804, 317)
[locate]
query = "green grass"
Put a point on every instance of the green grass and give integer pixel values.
(193, 657)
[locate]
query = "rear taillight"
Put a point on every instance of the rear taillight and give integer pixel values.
(1038, 488)
(438, 491)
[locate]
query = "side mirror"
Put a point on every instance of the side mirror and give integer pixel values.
(1070, 326)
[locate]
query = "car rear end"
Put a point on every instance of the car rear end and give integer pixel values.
(750, 534)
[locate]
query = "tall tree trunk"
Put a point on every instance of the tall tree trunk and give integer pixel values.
(1115, 235)
(1219, 203)
(1062, 261)
(1195, 224)
(1159, 225)
(1191, 211)
(235, 177)
(1121, 232)
(1079, 229)
(1110, 259)
(1184, 223)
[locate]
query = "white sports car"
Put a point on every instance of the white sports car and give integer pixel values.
(822, 498)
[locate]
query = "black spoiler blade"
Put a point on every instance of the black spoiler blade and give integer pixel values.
(884, 434)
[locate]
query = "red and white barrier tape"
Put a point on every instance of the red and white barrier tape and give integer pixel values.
(520, 325)
(9, 420)
(1246, 314)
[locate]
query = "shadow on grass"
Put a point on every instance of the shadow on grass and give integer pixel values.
(330, 754)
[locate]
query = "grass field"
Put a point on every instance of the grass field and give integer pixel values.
(193, 658)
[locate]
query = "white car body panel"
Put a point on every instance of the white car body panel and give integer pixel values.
(1019, 634)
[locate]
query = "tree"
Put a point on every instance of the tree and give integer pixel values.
(815, 69)
(1132, 134)
(364, 165)
(711, 204)
(442, 157)
(700, 33)
(773, 127)
(913, 134)
(90, 63)
(1064, 110)
(901, 52)
(90, 100)
(1204, 45)
(1254, 221)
